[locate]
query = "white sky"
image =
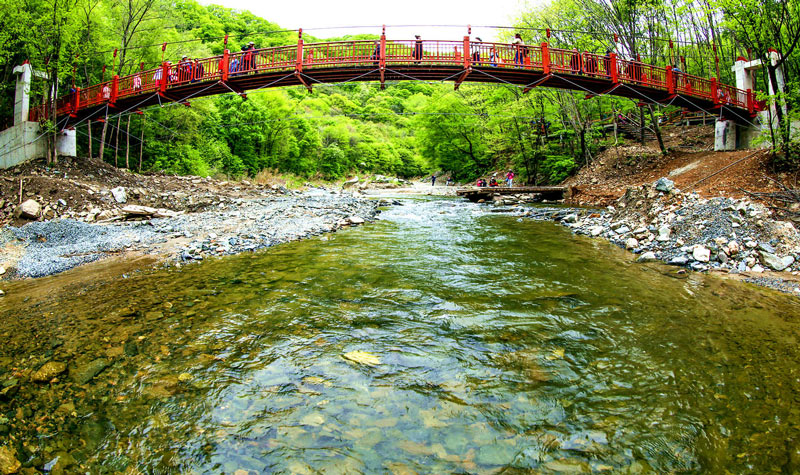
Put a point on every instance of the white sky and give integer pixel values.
(312, 15)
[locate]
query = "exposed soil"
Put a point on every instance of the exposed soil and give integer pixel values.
(691, 164)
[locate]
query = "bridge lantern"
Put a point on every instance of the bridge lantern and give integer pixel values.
(225, 41)
(547, 32)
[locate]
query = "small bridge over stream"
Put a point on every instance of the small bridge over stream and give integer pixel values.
(477, 193)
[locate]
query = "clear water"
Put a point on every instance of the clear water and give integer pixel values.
(497, 345)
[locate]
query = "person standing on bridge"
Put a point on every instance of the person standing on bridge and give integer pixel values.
(417, 53)
(510, 178)
(518, 49)
(476, 50)
(248, 56)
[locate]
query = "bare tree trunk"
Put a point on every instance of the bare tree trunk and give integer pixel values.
(128, 144)
(89, 127)
(141, 144)
(116, 145)
(103, 138)
(657, 129)
(641, 125)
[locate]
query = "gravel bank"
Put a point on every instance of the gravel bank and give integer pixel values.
(658, 222)
(233, 226)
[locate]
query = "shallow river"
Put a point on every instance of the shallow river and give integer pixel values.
(441, 339)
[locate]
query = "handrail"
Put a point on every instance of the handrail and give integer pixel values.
(365, 53)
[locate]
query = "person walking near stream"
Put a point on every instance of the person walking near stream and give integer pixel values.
(433, 180)
(510, 178)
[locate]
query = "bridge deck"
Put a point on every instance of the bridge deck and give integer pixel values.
(475, 193)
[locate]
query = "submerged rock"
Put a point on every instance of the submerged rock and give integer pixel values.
(85, 373)
(50, 370)
(8, 461)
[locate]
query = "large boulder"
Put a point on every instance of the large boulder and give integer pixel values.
(29, 209)
(119, 194)
(50, 370)
(701, 254)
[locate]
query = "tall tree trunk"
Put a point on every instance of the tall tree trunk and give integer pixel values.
(128, 144)
(657, 129)
(641, 125)
(116, 144)
(141, 143)
(103, 138)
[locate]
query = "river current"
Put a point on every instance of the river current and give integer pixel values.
(441, 339)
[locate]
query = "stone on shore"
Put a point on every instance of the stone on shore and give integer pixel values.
(774, 262)
(701, 253)
(350, 183)
(647, 257)
(631, 243)
(48, 371)
(29, 209)
(663, 233)
(119, 194)
(665, 184)
(355, 220)
(8, 461)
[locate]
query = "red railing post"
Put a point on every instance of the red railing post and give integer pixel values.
(751, 107)
(299, 65)
(467, 53)
(714, 91)
(76, 103)
(612, 68)
(114, 89)
(162, 87)
(383, 52)
(545, 58)
(225, 64)
(670, 80)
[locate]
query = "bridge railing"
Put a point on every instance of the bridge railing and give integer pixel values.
(361, 53)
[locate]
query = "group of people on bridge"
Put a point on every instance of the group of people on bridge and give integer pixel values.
(509, 180)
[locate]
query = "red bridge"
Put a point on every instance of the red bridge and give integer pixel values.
(390, 60)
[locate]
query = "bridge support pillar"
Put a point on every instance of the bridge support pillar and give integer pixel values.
(24, 141)
(724, 136)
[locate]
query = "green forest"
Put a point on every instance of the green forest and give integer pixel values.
(410, 128)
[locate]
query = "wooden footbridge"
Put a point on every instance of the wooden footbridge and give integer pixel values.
(477, 193)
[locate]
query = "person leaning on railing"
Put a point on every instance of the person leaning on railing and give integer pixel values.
(417, 53)
(476, 50)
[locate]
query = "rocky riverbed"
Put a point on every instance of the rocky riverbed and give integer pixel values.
(660, 223)
(232, 226)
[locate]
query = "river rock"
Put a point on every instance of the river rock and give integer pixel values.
(350, 182)
(355, 220)
(596, 230)
(665, 184)
(701, 254)
(647, 257)
(663, 233)
(85, 373)
(679, 261)
(29, 209)
(571, 218)
(766, 247)
(631, 243)
(774, 262)
(733, 248)
(2, 270)
(48, 371)
(119, 194)
(8, 461)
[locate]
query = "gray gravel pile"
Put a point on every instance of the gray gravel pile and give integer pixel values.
(234, 226)
(56, 246)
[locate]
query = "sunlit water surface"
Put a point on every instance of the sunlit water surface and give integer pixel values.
(500, 344)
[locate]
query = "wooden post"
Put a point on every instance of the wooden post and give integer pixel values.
(114, 89)
(141, 143)
(226, 60)
(128, 144)
(670, 80)
(103, 138)
(89, 126)
(546, 58)
(714, 91)
(467, 53)
(612, 66)
(299, 64)
(77, 103)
